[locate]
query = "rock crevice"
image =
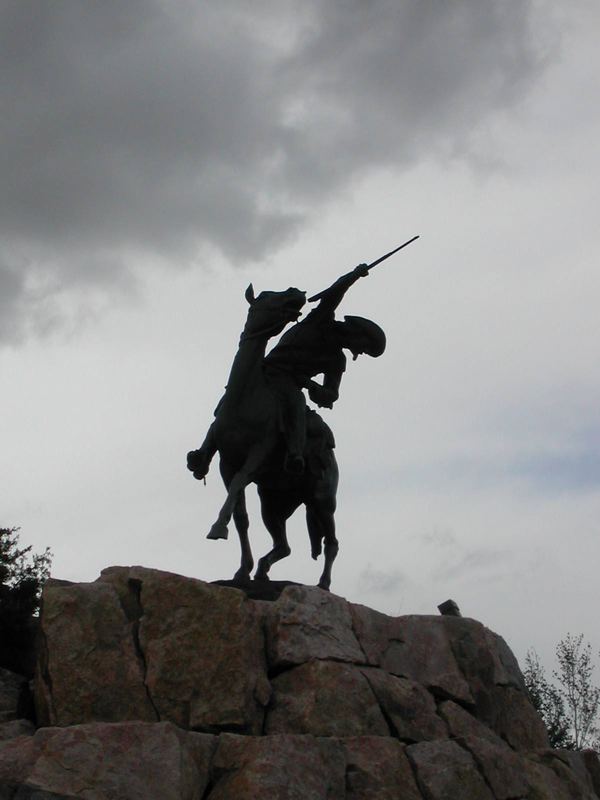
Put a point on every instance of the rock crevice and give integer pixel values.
(131, 603)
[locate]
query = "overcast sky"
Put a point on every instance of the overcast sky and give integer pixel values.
(159, 155)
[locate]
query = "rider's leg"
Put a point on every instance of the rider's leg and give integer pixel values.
(295, 429)
(292, 407)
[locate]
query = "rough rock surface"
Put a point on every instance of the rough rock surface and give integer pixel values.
(133, 760)
(500, 766)
(89, 669)
(278, 768)
(158, 686)
(12, 690)
(412, 647)
(214, 632)
(306, 624)
(16, 727)
(377, 767)
(325, 698)
(444, 770)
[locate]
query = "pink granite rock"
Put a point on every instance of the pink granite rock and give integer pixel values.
(511, 715)
(501, 767)
(16, 727)
(377, 769)
(415, 647)
(347, 684)
(462, 723)
(89, 668)
(506, 667)
(12, 687)
(409, 708)
(17, 755)
(581, 765)
(308, 623)
(110, 761)
(445, 771)
(378, 634)
(325, 698)
(591, 760)
(550, 779)
(496, 684)
(278, 768)
(203, 649)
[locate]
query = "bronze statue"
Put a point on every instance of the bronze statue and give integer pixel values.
(263, 430)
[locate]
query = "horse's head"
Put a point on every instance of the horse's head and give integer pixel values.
(270, 312)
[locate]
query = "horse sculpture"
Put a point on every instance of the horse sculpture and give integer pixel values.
(247, 434)
(264, 432)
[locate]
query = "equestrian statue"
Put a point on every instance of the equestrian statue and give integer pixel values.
(263, 429)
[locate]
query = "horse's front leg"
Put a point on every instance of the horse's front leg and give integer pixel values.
(237, 485)
(254, 460)
(242, 523)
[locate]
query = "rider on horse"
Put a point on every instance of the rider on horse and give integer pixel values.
(309, 348)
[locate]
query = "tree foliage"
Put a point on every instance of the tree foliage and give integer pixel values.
(548, 702)
(22, 575)
(570, 705)
(581, 697)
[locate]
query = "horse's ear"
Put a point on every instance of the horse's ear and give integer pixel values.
(250, 294)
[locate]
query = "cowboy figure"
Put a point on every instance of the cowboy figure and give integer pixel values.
(314, 347)
(309, 348)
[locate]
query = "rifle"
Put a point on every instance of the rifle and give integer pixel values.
(369, 266)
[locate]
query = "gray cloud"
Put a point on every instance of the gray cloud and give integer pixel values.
(539, 454)
(381, 581)
(477, 562)
(438, 539)
(168, 128)
(562, 472)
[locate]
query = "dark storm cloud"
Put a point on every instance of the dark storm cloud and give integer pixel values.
(11, 297)
(166, 127)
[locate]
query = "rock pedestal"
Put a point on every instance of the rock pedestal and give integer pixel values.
(152, 685)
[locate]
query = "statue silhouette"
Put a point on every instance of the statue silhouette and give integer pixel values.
(263, 430)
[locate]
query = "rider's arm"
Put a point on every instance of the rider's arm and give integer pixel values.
(331, 298)
(325, 395)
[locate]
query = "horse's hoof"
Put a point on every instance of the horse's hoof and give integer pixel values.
(324, 585)
(242, 577)
(218, 531)
(262, 577)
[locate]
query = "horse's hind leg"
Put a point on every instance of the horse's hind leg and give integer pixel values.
(240, 518)
(275, 510)
(321, 526)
